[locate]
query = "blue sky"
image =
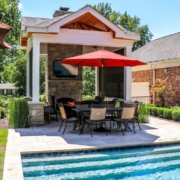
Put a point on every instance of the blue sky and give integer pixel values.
(162, 16)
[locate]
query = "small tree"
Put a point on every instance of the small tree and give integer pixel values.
(162, 89)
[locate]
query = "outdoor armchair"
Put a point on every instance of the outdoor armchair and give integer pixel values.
(64, 118)
(127, 116)
(97, 115)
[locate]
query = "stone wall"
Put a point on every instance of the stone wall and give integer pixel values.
(63, 86)
(173, 76)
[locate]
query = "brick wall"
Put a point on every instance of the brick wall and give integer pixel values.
(173, 76)
(62, 86)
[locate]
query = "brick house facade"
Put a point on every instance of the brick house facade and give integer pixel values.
(173, 80)
(163, 61)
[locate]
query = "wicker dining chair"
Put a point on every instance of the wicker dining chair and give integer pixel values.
(97, 115)
(64, 118)
(127, 116)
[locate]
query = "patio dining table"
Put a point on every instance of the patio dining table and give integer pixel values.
(80, 111)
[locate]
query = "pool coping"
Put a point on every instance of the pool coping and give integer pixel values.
(99, 148)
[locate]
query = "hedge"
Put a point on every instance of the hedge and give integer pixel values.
(160, 112)
(176, 115)
(144, 112)
(18, 113)
(167, 113)
(154, 111)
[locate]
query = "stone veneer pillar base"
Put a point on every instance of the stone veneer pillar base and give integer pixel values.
(36, 113)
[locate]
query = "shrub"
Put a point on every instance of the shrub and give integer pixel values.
(175, 108)
(154, 111)
(2, 112)
(42, 98)
(87, 97)
(160, 111)
(167, 113)
(150, 105)
(144, 112)
(176, 115)
(18, 113)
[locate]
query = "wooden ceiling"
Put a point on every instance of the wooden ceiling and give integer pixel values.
(87, 22)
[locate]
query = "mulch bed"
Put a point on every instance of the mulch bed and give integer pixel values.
(4, 123)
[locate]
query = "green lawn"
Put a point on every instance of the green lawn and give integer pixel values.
(3, 140)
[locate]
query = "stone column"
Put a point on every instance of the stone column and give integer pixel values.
(36, 113)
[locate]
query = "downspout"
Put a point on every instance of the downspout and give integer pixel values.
(154, 79)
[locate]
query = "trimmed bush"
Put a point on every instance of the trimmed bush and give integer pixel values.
(160, 112)
(144, 112)
(167, 113)
(176, 115)
(154, 111)
(18, 113)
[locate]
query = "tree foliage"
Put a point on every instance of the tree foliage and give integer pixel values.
(10, 14)
(130, 23)
(89, 81)
(162, 90)
(15, 73)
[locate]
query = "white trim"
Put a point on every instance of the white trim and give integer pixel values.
(92, 38)
(157, 65)
(35, 72)
(128, 77)
(27, 76)
(35, 103)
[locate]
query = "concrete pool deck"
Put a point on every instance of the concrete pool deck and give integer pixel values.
(47, 139)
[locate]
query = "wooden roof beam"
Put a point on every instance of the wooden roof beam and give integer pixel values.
(91, 27)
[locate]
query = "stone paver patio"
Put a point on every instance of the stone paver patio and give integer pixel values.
(47, 138)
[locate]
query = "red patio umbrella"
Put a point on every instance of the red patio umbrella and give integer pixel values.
(102, 58)
(4, 29)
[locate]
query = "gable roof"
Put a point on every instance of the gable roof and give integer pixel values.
(47, 22)
(163, 49)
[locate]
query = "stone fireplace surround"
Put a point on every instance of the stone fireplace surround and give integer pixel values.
(62, 86)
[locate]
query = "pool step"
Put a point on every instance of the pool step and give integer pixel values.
(121, 164)
(101, 156)
(117, 173)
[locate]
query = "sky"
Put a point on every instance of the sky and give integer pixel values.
(161, 16)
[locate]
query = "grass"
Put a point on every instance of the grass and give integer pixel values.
(3, 141)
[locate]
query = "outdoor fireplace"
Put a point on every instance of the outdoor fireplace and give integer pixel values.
(67, 102)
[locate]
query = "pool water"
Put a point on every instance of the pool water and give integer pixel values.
(148, 163)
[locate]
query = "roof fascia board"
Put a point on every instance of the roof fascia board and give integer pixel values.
(158, 65)
(90, 38)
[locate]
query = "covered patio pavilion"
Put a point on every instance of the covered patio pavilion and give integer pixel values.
(69, 34)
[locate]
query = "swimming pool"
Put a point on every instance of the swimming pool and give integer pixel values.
(145, 162)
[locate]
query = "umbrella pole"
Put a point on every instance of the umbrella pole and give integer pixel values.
(102, 79)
